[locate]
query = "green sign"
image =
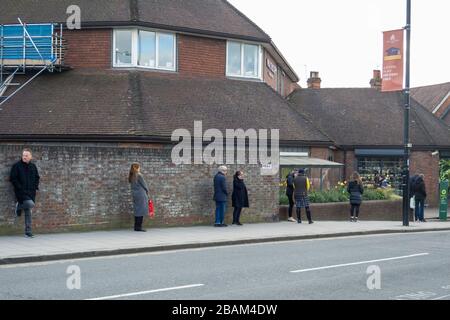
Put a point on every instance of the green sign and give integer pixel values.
(443, 200)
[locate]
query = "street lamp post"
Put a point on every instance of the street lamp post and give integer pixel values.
(407, 144)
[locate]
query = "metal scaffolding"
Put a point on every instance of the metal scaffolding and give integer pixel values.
(28, 49)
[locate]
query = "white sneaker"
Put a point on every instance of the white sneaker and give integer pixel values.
(292, 219)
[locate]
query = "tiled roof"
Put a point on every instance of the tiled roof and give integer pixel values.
(141, 103)
(431, 96)
(368, 117)
(202, 16)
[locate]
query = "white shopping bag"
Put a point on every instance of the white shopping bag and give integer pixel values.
(412, 202)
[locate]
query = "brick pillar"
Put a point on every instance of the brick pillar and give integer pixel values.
(424, 162)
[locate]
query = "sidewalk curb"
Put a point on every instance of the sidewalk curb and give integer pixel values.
(104, 253)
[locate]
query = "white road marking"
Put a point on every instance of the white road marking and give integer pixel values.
(360, 262)
(146, 292)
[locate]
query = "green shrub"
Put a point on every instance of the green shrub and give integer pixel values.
(284, 200)
(316, 197)
(341, 195)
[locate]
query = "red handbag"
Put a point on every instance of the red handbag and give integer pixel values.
(151, 209)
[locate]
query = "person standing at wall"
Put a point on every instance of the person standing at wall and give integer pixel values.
(301, 188)
(220, 196)
(356, 189)
(420, 194)
(139, 192)
(25, 178)
(290, 193)
(239, 197)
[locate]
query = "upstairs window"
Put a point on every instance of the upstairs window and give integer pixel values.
(147, 49)
(243, 60)
(123, 47)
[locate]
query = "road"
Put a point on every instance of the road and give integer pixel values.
(402, 267)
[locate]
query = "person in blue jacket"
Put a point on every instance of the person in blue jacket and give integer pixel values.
(220, 196)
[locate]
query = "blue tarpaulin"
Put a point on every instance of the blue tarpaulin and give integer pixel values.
(13, 39)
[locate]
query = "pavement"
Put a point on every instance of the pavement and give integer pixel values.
(46, 247)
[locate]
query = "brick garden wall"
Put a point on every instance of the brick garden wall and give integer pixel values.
(84, 187)
(370, 211)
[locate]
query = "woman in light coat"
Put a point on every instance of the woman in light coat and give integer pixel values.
(139, 191)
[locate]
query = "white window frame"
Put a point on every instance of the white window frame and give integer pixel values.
(259, 63)
(135, 49)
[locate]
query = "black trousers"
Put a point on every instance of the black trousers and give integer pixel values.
(308, 214)
(291, 204)
(354, 209)
(236, 214)
(138, 223)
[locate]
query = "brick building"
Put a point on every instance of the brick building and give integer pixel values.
(139, 69)
(136, 71)
(366, 126)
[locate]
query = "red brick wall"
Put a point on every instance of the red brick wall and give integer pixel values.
(269, 77)
(289, 86)
(201, 56)
(370, 211)
(321, 153)
(424, 162)
(88, 48)
(350, 163)
(76, 194)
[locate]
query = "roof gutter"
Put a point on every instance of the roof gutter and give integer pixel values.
(126, 139)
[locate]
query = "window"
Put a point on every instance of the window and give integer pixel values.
(147, 49)
(374, 169)
(243, 60)
(123, 47)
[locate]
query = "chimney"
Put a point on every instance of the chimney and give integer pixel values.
(314, 80)
(375, 82)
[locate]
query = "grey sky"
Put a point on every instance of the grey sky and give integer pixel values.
(343, 39)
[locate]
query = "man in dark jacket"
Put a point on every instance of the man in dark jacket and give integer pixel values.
(420, 195)
(25, 179)
(290, 193)
(220, 196)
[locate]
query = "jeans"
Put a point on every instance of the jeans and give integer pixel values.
(26, 206)
(220, 211)
(354, 207)
(419, 212)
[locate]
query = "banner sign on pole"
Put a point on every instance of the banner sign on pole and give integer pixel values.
(392, 61)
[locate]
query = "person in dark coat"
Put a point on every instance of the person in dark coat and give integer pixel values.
(356, 190)
(301, 188)
(139, 192)
(290, 193)
(239, 197)
(25, 178)
(420, 195)
(220, 196)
